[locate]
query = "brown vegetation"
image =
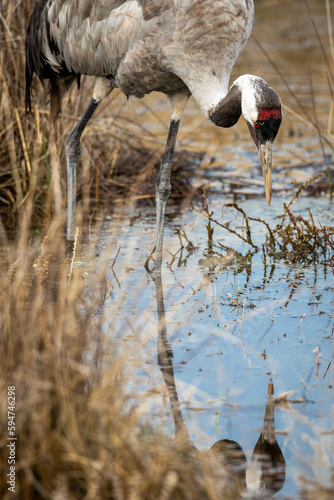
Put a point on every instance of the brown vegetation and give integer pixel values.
(79, 435)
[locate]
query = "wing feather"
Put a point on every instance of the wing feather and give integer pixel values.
(99, 29)
(142, 45)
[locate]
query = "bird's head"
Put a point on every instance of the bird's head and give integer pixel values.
(261, 107)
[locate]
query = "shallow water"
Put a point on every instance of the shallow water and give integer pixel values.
(231, 328)
(233, 325)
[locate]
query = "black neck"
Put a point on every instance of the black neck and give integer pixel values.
(228, 110)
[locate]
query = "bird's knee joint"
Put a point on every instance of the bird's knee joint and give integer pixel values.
(71, 141)
(163, 189)
(72, 145)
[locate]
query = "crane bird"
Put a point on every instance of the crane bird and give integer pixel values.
(178, 47)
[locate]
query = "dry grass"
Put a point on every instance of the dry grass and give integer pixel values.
(79, 431)
(296, 238)
(307, 113)
(120, 155)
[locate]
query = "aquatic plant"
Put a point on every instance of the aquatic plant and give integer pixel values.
(80, 432)
(297, 238)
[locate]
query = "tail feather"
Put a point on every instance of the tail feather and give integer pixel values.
(59, 78)
(34, 41)
(58, 91)
(29, 76)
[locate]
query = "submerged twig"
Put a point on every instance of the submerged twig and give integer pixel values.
(302, 188)
(218, 223)
(113, 262)
(215, 221)
(298, 238)
(148, 260)
(248, 231)
(271, 234)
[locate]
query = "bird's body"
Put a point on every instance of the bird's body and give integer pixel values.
(142, 46)
(178, 47)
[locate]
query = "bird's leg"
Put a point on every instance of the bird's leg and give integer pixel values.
(165, 362)
(73, 151)
(163, 185)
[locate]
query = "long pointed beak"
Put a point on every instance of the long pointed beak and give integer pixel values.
(265, 152)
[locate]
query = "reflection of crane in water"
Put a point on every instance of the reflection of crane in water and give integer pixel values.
(265, 473)
(178, 47)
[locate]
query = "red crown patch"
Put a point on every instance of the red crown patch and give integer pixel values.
(266, 114)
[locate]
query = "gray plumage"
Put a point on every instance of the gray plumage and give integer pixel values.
(140, 45)
(178, 47)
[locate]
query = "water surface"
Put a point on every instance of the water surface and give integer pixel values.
(233, 324)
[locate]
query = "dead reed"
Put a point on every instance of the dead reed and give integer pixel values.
(78, 428)
(296, 238)
(308, 113)
(79, 433)
(121, 155)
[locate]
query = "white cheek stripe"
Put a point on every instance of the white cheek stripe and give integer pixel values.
(250, 87)
(255, 91)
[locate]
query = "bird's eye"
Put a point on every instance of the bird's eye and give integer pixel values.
(256, 124)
